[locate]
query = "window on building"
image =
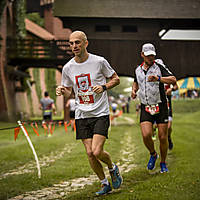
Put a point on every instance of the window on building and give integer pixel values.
(102, 28)
(129, 28)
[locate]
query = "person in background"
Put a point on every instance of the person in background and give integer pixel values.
(149, 79)
(137, 109)
(123, 103)
(114, 107)
(169, 90)
(71, 105)
(128, 99)
(86, 73)
(115, 112)
(48, 107)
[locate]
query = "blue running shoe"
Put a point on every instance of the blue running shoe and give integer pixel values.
(116, 177)
(152, 161)
(163, 168)
(104, 190)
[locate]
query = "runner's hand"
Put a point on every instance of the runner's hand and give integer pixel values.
(152, 78)
(133, 94)
(169, 91)
(98, 89)
(59, 90)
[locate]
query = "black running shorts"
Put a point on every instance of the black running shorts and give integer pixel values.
(86, 128)
(47, 118)
(72, 114)
(161, 117)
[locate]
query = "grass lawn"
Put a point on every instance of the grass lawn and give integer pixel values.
(65, 168)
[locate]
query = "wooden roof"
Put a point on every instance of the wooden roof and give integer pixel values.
(38, 31)
(163, 9)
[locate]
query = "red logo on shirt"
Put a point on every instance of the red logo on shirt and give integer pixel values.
(85, 92)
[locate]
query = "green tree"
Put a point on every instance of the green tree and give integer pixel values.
(35, 17)
(20, 12)
(125, 82)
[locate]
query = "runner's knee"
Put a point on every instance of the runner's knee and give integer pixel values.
(147, 136)
(97, 153)
(90, 154)
(163, 139)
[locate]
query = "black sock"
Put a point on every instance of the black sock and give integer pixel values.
(153, 153)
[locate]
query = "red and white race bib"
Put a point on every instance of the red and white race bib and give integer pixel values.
(85, 93)
(152, 109)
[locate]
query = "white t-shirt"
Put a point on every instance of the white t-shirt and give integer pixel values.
(72, 104)
(82, 77)
(114, 106)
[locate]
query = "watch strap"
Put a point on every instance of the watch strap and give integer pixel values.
(104, 87)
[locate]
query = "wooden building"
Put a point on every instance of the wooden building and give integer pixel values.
(14, 70)
(117, 29)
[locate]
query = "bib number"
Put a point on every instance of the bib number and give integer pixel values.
(152, 109)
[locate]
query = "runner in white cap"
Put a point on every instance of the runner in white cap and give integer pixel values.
(149, 78)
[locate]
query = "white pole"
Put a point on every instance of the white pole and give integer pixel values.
(29, 84)
(31, 145)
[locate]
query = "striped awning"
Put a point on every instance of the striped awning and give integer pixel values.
(189, 83)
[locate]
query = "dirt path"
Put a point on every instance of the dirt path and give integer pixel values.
(62, 189)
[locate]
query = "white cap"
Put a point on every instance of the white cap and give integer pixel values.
(148, 49)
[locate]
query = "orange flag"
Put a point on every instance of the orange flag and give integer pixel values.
(120, 113)
(36, 125)
(69, 123)
(52, 129)
(112, 117)
(65, 124)
(16, 132)
(59, 123)
(45, 128)
(35, 129)
(74, 127)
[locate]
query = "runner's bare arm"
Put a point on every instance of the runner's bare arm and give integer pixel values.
(134, 90)
(40, 106)
(68, 103)
(113, 81)
(167, 79)
(175, 87)
(54, 108)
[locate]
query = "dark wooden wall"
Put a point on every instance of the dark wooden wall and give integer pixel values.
(123, 48)
(181, 57)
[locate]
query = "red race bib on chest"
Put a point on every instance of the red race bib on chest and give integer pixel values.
(152, 109)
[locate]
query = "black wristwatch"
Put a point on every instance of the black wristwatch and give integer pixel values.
(104, 87)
